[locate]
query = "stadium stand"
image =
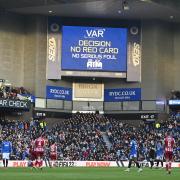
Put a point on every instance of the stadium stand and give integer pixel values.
(81, 137)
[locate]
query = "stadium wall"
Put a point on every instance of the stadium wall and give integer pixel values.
(157, 60)
(12, 48)
(35, 54)
(176, 47)
(23, 41)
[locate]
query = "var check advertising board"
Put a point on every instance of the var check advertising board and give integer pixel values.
(122, 94)
(94, 48)
(60, 93)
(15, 104)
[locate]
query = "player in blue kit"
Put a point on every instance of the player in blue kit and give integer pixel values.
(159, 153)
(6, 150)
(133, 154)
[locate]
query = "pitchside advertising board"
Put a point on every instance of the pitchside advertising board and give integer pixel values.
(122, 94)
(94, 49)
(84, 164)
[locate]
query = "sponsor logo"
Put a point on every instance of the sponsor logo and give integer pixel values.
(98, 164)
(54, 92)
(63, 164)
(136, 55)
(19, 164)
(52, 49)
(59, 91)
(94, 33)
(122, 93)
(94, 64)
(54, 27)
(145, 164)
(134, 30)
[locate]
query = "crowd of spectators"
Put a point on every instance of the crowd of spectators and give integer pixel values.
(175, 94)
(20, 134)
(81, 137)
(9, 92)
(147, 135)
(175, 116)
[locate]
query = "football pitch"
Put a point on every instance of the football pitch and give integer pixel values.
(87, 174)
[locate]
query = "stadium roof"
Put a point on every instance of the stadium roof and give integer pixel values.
(168, 10)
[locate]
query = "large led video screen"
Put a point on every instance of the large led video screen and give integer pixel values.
(102, 50)
(94, 49)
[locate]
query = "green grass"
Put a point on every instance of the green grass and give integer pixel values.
(87, 174)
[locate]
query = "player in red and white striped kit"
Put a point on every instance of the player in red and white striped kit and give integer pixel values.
(39, 146)
(169, 143)
(53, 151)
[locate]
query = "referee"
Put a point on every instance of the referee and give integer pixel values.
(152, 154)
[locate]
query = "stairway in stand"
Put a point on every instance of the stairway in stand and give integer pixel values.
(106, 140)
